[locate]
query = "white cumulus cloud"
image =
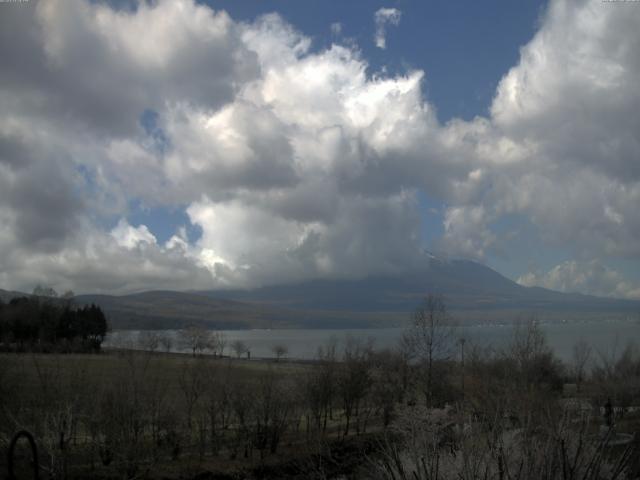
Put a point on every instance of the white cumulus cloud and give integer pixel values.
(590, 277)
(382, 18)
(131, 237)
(295, 162)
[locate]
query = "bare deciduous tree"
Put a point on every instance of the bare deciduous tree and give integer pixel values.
(431, 337)
(149, 341)
(273, 408)
(193, 383)
(196, 339)
(387, 370)
(239, 347)
(532, 357)
(279, 350)
(217, 403)
(617, 376)
(318, 387)
(217, 342)
(421, 450)
(354, 378)
(243, 403)
(581, 355)
(166, 341)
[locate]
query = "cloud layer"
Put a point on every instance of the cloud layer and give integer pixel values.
(583, 277)
(382, 17)
(297, 163)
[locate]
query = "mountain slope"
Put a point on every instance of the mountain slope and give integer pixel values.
(473, 292)
(169, 309)
(466, 285)
(7, 295)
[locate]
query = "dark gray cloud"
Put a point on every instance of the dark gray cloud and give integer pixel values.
(101, 69)
(43, 209)
(48, 210)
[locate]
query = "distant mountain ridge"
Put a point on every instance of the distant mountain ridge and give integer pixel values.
(169, 309)
(465, 284)
(473, 292)
(7, 295)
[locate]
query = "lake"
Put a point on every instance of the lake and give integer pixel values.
(606, 337)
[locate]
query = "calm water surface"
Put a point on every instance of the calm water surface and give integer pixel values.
(608, 338)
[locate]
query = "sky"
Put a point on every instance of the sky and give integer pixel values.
(202, 145)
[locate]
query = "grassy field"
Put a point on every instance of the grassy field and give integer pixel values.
(122, 414)
(132, 414)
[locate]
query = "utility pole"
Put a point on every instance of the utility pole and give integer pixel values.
(462, 342)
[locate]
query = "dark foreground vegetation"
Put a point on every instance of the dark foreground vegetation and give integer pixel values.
(49, 324)
(436, 407)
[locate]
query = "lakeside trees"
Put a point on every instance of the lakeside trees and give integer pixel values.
(131, 414)
(239, 348)
(44, 324)
(127, 413)
(430, 337)
(280, 350)
(198, 340)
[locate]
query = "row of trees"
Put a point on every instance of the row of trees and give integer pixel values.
(156, 409)
(490, 414)
(198, 341)
(45, 324)
(431, 357)
(195, 339)
(507, 413)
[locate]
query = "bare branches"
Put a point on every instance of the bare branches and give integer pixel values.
(239, 348)
(431, 337)
(581, 354)
(198, 340)
(280, 350)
